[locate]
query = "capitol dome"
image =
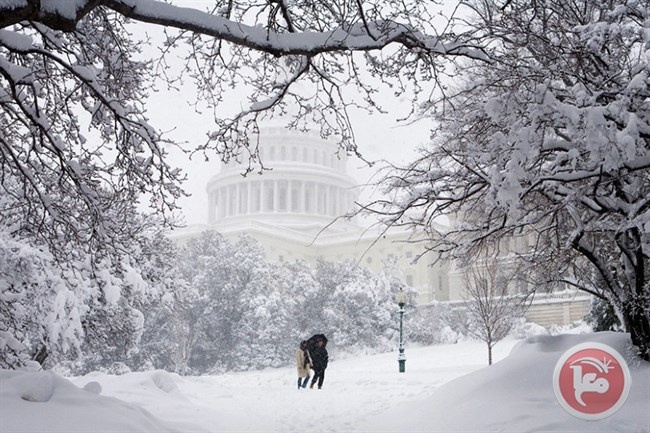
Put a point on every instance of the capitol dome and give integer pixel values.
(306, 188)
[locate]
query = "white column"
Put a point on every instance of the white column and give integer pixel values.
(237, 199)
(328, 201)
(276, 196)
(262, 196)
(227, 194)
(249, 199)
(211, 207)
(319, 193)
(310, 196)
(337, 200)
(301, 202)
(289, 196)
(219, 204)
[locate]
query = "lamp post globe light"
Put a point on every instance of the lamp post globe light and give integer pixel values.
(401, 358)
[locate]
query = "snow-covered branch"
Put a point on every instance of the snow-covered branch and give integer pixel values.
(363, 36)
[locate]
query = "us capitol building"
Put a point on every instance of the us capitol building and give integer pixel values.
(292, 211)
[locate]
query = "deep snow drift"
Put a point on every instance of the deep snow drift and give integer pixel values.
(445, 388)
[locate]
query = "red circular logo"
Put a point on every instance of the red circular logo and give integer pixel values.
(591, 381)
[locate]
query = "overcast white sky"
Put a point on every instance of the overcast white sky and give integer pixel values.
(378, 136)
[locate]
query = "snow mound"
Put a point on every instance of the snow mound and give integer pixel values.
(37, 387)
(67, 408)
(516, 394)
(164, 381)
(93, 387)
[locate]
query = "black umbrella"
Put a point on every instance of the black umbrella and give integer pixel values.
(311, 343)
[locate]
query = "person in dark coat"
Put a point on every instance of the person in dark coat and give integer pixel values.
(319, 359)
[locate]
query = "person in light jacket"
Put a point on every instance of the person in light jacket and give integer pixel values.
(303, 363)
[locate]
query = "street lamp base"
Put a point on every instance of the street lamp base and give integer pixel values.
(402, 365)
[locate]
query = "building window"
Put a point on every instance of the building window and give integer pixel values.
(522, 285)
(409, 280)
(409, 254)
(369, 260)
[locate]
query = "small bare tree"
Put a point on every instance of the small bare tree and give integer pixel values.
(490, 308)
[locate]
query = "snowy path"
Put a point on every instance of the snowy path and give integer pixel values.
(362, 394)
(268, 401)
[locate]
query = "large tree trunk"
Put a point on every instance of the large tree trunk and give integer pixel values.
(41, 354)
(626, 285)
(635, 307)
(636, 317)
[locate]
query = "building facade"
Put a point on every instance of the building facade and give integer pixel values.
(295, 211)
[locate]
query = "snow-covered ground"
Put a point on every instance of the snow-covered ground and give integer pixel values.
(445, 388)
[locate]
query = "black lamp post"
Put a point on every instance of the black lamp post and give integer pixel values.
(401, 358)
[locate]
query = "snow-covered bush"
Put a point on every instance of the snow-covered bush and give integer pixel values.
(431, 324)
(234, 310)
(40, 310)
(602, 316)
